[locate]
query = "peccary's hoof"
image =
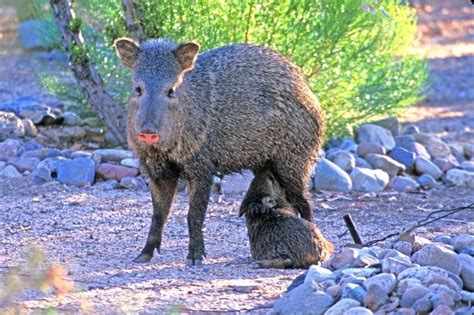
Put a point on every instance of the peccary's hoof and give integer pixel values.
(143, 258)
(194, 263)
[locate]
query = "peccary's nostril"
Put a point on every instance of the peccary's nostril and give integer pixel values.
(148, 138)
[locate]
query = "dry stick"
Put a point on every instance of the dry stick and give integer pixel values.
(424, 222)
(351, 226)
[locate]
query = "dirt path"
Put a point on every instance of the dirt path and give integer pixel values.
(95, 234)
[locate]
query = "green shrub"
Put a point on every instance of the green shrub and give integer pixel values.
(354, 52)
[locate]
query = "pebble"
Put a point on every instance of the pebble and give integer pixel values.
(10, 171)
(78, 172)
(427, 181)
(367, 180)
(460, 178)
(341, 306)
(132, 162)
(136, 183)
(345, 160)
(425, 166)
(301, 299)
(329, 176)
(365, 148)
(404, 184)
(383, 162)
(376, 135)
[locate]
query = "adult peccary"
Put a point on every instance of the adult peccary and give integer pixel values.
(232, 108)
(278, 237)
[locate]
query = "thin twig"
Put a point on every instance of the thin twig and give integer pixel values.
(423, 222)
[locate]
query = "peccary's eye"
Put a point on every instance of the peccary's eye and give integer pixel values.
(138, 90)
(170, 93)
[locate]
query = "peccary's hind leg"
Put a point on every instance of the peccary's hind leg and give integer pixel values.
(278, 263)
(293, 181)
(162, 195)
(199, 192)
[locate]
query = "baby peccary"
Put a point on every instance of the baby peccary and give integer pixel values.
(232, 108)
(278, 237)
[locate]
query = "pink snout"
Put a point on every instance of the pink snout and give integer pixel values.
(148, 138)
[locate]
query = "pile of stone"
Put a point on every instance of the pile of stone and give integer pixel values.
(382, 158)
(410, 276)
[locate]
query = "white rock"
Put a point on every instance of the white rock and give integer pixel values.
(341, 306)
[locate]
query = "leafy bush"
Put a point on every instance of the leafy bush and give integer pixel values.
(353, 52)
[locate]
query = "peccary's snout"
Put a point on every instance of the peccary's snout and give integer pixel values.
(148, 138)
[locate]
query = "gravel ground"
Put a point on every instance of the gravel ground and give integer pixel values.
(95, 234)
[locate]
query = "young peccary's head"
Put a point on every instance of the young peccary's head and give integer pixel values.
(158, 68)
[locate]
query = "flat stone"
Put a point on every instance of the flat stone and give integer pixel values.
(468, 166)
(344, 258)
(366, 180)
(341, 306)
(345, 160)
(386, 281)
(113, 155)
(394, 265)
(463, 240)
(133, 162)
(385, 163)
(460, 178)
(404, 184)
(78, 172)
(419, 150)
(135, 183)
(376, 297)
(301, 299)
(318, 274)
(376, 135)
(443, 164)
(236, 184)
(403, 156)
(429, 275)
(425, 166)
(467, 271)
(112, 171)
(427, 181)
(23, 164)
(365, 148)
(353, 291)
(10, 172)
(361, 163)
(329, 176)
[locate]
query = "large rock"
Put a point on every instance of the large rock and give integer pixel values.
(467, 166)
(391, 123)
(463, 241)
(413, 294)
(135, 183)
(386, 281)
(461, 178)
(302, 299)
(418, 149)
(375, 297)
(319, 274)
(365, 148)
(345, 160)
(236, 184)
(383, 162)
(46, 170)
(10, 126)
(427, 181)
(113, 155)
(439, 256)
(425, 166)
(366, 180)
(435, 146)
(341, 306)
(10, 172)
(112, 171)
(131, 162)
(403, 156)
(79, 172)
(38, 112)
(23, 164)
(376, 135)
(10, 148)
(404, 141)
(403, 184)
(329, 176)
(344, 258)
(467, 271)
(429, 275)
(38, 34)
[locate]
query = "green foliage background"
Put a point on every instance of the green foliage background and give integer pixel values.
(355, 53)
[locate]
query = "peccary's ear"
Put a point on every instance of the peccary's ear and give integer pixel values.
(127, 50)
(186, 55)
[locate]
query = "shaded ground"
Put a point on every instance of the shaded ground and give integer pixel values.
(95, 233)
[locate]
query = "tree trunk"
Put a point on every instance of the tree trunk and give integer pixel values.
(108, 111)
(134, 29)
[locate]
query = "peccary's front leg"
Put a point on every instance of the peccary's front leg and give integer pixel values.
(199, 192)
(162, 195)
